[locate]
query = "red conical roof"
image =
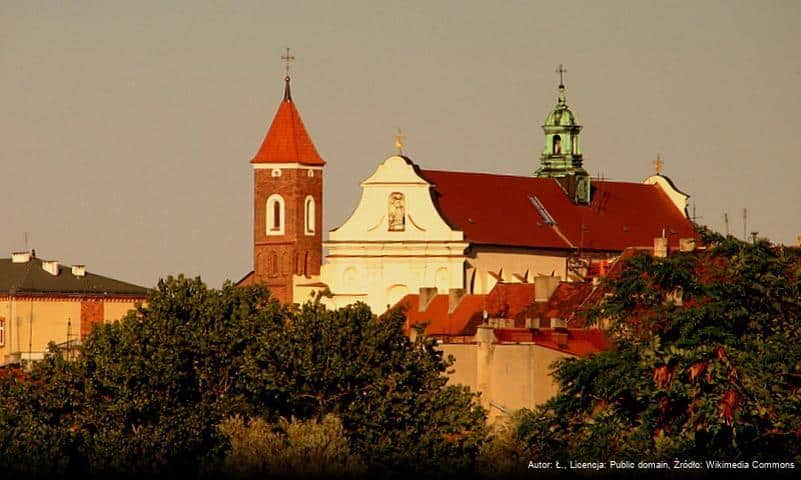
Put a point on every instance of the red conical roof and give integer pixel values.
(287, 140)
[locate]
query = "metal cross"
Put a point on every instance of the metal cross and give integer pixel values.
(561, 71)
(658, 164)
(399, 141)
(287, 59)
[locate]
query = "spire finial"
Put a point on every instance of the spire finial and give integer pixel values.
(399, 141)
(658, 164)
(561, 71)
(287, 58)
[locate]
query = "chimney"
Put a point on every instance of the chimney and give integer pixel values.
(454, 297)
(544, 286)
(79, 270)
(426, 295)
(660, 247)
(50, 266)
(533, 323)
(686, 244)
(560, 338)
(20, 257)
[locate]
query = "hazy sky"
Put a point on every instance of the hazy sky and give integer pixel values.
(126, 128)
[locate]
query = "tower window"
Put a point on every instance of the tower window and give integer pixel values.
(275, 215)
(309, 215)
(2, 331)
(557, 145)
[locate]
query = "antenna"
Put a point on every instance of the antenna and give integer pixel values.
(26, 241)
(745, 223)
(694, 217)
(726, 221)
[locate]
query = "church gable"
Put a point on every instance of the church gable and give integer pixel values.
(396, 206)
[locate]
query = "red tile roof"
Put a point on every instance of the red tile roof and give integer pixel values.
(287, 140)
(463, 320)
(498, 210)
(509, 300)
(580, 341)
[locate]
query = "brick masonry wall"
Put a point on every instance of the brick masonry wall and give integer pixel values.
(91, 313)
(277, 257)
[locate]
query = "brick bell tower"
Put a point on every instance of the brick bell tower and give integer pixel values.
(287, 202)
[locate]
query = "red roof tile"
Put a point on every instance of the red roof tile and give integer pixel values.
(287, 140)
(463, 320)
(498, 210)
(509, 300)
(566, 302)
(580, 341)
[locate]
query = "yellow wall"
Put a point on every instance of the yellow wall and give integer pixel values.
(31, 323)
(511, 261)
(508, 376)
(116, 310)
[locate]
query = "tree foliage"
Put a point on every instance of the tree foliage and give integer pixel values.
(305, 448)
(706, 364)
(147, 394)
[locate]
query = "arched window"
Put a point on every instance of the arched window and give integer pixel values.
(309, 215)
(306, 264)
(557, 145)
(275, 215)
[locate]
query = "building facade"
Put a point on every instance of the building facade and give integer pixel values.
(43, 301)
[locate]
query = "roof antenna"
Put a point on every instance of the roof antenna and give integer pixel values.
(745, 223)
(726, 221)
(26, 241)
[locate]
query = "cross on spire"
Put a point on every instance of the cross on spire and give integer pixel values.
(399, 141)
(561, 71)
(658, 164)
(287, 58)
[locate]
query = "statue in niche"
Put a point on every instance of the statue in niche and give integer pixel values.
(582, 189)
(396, 213)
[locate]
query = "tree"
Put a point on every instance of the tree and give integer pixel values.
(147, 394)
(389, 392)
(159, 382)
(706, 364)
(300, 448)
(38, 420)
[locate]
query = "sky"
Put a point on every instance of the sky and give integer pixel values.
(126, 128)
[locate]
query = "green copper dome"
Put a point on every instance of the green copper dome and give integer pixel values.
(561, 157)
(561, 116)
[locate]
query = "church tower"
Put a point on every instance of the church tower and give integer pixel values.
(287, 202)
(561, 158)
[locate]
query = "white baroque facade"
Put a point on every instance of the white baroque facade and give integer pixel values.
(394, 243)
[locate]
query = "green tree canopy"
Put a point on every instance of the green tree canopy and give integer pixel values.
(147, 394)
(706, 364)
